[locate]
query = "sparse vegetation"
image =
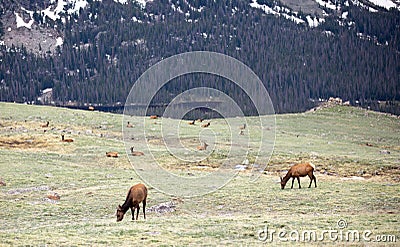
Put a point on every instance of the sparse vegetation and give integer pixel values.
(356, 181)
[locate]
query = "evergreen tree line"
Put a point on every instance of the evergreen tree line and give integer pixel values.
(105, 51)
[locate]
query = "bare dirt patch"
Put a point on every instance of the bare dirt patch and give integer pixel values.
(39, 40)
(23, 142)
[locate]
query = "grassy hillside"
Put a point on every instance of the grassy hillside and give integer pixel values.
(356, 153)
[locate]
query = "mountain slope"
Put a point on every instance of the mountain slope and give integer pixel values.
(93, 51)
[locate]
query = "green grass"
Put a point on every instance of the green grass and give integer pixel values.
(91, 185)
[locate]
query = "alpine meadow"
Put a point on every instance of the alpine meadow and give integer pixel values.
(356, 156)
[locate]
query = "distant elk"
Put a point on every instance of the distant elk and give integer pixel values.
(242, 127)
(136, 153)
(199, 120)
(112, 154)
(192, 122)
(45, 125)
(129, 125)
(297, 171)
(202, 147)
(91, 108)
(54, 196)
(153, 117)
(137, 194)
(206, 125)
(65, 140)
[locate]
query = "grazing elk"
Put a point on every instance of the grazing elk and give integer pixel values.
(206, 125)
(65, 140)
(242, 127)
(45, 125)
(91, 108)
(297, 171)
(199, 120)
(202, 147)
(153, 117)
(136, 153)
(112, 154)
(192, 122)
(137, 194)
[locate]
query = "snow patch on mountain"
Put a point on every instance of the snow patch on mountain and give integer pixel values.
(21, 23)
(387, 4)
(142, 3)
(176, 8)
(327, 4)
(314, 21)
(287, 13)
(193, 8)
(76, 6)
(59, 41)
(53, 12)
(275, 11)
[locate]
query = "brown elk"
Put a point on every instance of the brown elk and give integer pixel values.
(112, 154)
(137, 194)
(91, 108)
(54, 196)
(206, 125)
(136, 153)
(129, 125)
(297, 171)
(199, 120)
(202, 147)
(65, 140)
(153, 117)
(45, 125)
(192, 122)
(242, 127)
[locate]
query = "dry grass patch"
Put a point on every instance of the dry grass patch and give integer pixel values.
(35, 143)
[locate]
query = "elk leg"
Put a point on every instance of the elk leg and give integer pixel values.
(311, 177)
(137, 212)
(315, 181)
(292, 182)
(133, 213)
(298, 180)
(144, 209)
